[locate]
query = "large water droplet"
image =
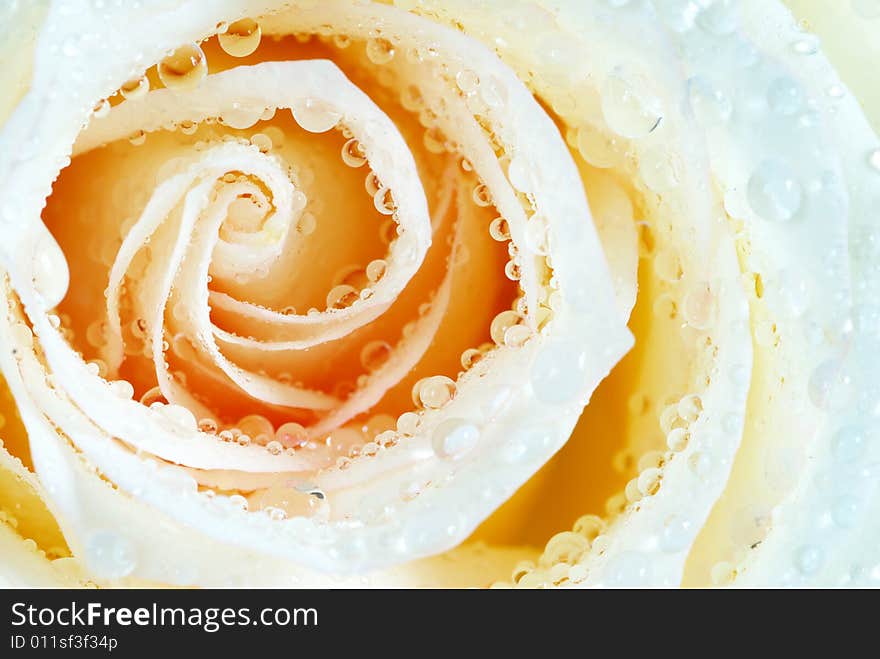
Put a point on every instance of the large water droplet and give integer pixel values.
(241, 38)
(629, 107)
(184, 69)
(315, 116)
(454, 437)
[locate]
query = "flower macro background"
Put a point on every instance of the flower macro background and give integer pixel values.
(440, 293)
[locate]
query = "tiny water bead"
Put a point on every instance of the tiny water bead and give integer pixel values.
(291, 435)
(184, 69)
(379, 51)
(135, 88)
(353, 153)
(774, 192)
(241, 38)
(454, 437)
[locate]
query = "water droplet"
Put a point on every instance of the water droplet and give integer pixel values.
(353, 153)
(208, 425)
(482, 195)
(501, 323)
(383, 200)
(808, 45)
(258, 427)
(435, 140)
(315, 116)
(341, 297)
(558, 371)
(698, 306)
(598, 147)
(667, 265)
(848, 443)
(689, 408)
(372, 184)
(499, 229)
(184, 69)
(135, 88)
(379, 51)
(376, 270)
(274, 447)
(433, 392)
(784, 96)
(375, 354)
(824, 379)
(122, 388)
(719, 18)
(179, 415)
(291, 434)
(102, 109)
(629, 569)
(137, 138)
(454, 437)
(306, 224)
(110, 555)
(710, 105)
(808, 559)
(677, 439)
(676, 534)
(629, 108)
(565, 547)
(845, 511)
(660, 169)
(467, 81)
(774, 193)
(241, 38)
(517, 335)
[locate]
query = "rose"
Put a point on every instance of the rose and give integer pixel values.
(230, 211)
